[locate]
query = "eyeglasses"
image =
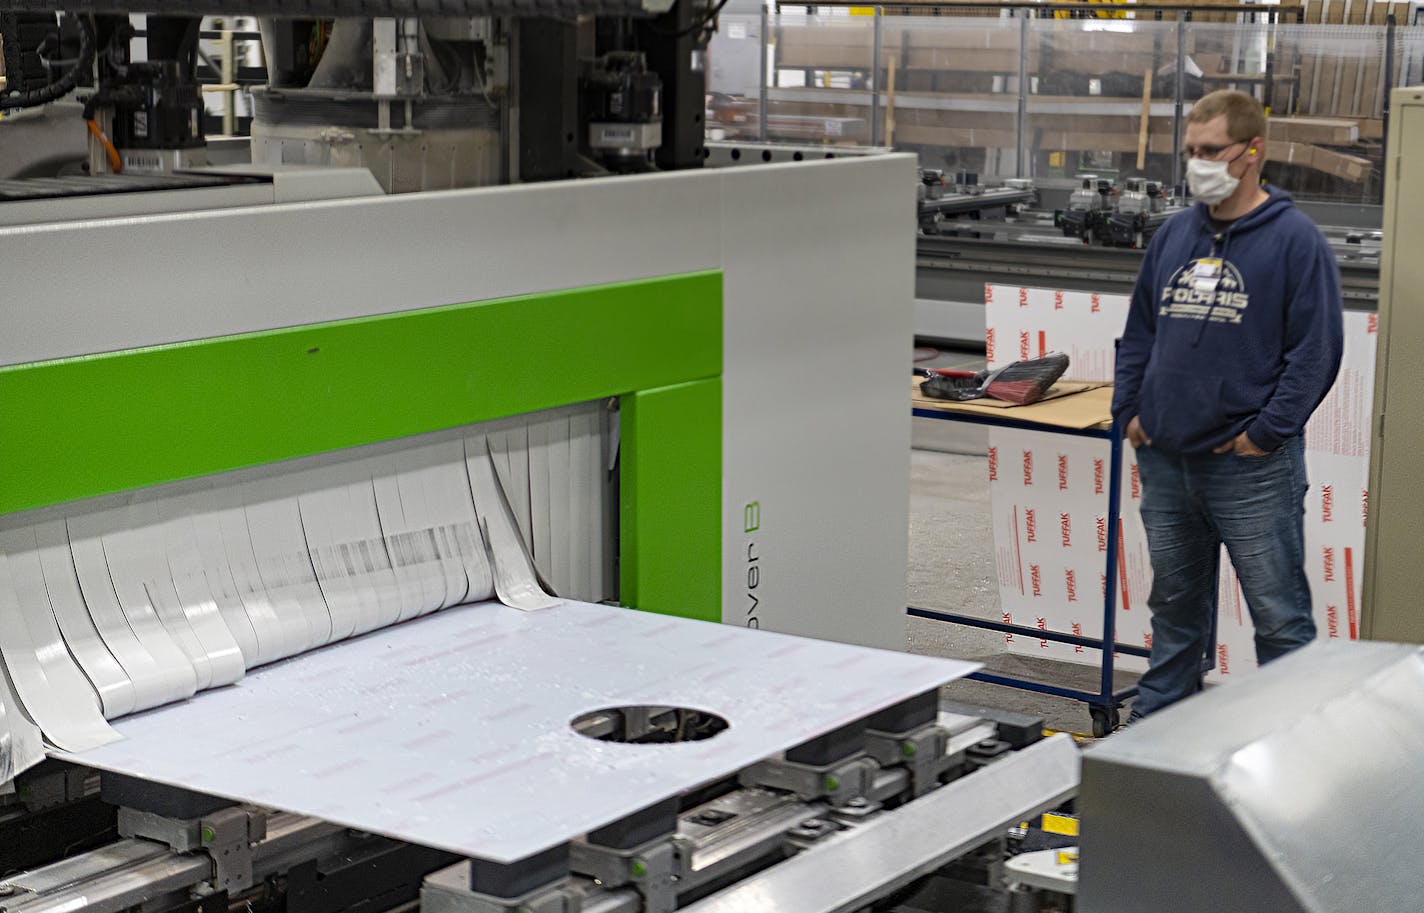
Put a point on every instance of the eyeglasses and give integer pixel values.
(1208, 152)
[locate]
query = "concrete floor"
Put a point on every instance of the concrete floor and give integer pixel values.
(951, 567)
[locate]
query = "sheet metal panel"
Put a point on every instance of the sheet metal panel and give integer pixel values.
(452, 730)
(1296, 789)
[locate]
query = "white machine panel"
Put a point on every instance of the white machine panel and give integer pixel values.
(817, 331)
(816, 429)
(439, 731)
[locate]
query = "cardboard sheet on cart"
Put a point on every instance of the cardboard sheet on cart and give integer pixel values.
(1069, 404)
(453, 730)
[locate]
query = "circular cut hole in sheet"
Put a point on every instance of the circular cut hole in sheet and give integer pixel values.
(645, 724)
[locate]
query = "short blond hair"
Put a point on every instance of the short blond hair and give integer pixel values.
(1245, 118)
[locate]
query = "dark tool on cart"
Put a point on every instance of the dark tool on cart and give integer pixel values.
(1022, 382)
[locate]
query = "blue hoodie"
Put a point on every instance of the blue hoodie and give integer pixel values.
(1258, 355)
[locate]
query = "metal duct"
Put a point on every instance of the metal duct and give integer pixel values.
(1296, 789)
(346, 62)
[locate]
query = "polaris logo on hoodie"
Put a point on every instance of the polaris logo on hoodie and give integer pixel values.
(1224, 304)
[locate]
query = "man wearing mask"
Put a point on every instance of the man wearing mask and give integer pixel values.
(1233, 338)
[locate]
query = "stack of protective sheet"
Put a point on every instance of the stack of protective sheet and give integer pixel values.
(279, 639)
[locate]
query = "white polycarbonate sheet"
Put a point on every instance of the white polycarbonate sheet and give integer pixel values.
(453, 730)
(21, 742)
(56, 693)
(116, 692)
(125, 606)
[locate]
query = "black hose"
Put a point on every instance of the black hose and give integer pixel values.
(62, 86)
(696, 27)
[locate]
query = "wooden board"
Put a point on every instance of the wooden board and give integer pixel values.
(1326, 131)
(1373, 77)
(1076, 405)
(1347, 90)
(1353, 168)
(1309, 62)
(1328, 70)
(967, 137)
(1371, 128)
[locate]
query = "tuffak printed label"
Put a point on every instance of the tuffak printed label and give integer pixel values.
(1048, 494)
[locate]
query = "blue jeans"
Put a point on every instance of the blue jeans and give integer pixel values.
(1191, 505)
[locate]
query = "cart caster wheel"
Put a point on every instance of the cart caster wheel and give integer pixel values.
(1104, 721)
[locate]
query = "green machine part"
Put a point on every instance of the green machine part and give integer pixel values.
(94, 425)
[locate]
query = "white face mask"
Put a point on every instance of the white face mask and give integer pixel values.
(1210, 181)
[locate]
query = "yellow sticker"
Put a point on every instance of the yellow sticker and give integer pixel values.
(1067, 857)
(1062, 825)
(862, 11)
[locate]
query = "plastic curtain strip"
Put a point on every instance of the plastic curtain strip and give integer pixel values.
(111, 611)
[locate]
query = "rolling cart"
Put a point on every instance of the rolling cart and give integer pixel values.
(1085, 413)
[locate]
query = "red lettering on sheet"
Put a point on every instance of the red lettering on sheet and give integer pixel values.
(1122, 568)
(988, 293)
(1332, 620)
(1372, 323)
(1062, 472)
(1018, 552)
(1028, 467)
(993, 464)
(1097, 304)
(1364, 507)
(1008, 620)
(1070, 581)
(989, 344)
(1030, 525)
(1327, 563)
(1136, 484)
(1327, 504)
(1102, 534)
(1023, 345)
(1036, 579)
(1043, 626)
(1099, 470)
(1077, 632)
(1023, 297)
(1065, 529)
(1058, 301)
(1350, 613)
(1223, 659)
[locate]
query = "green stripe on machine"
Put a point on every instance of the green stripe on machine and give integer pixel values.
(667, 436)
(83, 427)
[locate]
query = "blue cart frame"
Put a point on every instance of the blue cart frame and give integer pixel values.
(1103, 704)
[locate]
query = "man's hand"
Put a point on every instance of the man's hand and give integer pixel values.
(1136, 435)
(1241, 445)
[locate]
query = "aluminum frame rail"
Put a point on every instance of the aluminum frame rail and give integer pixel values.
(130, 872)
(845, 875)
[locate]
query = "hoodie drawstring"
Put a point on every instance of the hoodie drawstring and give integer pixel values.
(1224, 237)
